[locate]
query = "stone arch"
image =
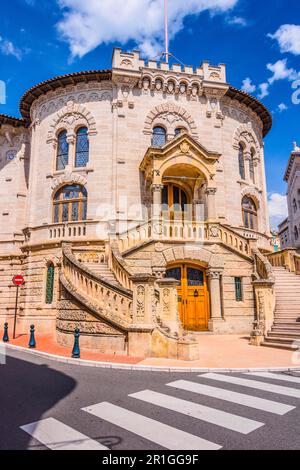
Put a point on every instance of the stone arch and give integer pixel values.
(164, 256)
(68, 178)
(170, 112)
(245, 134)
(253, 193)
(69, 118)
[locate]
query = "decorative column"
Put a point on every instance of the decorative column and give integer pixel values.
(216, 320)
(156, 200)
(211, 203)
(168, 305)
(139, 336)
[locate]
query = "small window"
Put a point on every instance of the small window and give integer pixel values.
(241, 162)
(251, 167)
(159, 137)
(180, 130)
(82, 148)
(62, 156)
(295, 207)
(296, 233)
(70, 204)
(50, 284)
(238, 289)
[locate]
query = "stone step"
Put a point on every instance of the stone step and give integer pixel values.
(280, 339)
(283, 334)
(276, 345)
(286, 326)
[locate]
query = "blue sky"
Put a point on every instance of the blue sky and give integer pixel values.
(258, 40)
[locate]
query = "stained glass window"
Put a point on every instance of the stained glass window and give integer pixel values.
(238, 289)
(159, 137)
(50, 284)
(249, 213)
(195, 277)
(62, 151)
(70, 204)
(174, 273)
(241, 162)
(82, 147)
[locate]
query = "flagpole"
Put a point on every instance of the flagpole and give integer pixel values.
(166, 32)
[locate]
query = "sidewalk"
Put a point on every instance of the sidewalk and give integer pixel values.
(224, 352)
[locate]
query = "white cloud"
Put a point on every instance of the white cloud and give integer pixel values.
(264, 90)
(278, 210)
(248, 86)
(280, 71)
(237, 21)
(8, 48)
(288, 37)
(87, 24)
(282, 107)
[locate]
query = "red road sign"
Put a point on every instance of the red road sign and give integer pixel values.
(18, 280)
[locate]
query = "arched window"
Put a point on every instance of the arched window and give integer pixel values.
(295, 207)
(180, 130)
(296, 233)
(249, 211)
(82, 147)
(251, 166)
(62, 156)
(50, 284)
(241, 162)
(70, 204)
(159, 136)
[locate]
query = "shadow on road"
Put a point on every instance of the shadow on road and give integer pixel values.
(27, 391)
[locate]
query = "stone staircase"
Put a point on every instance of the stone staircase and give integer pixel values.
(286, 327)
(102, 270)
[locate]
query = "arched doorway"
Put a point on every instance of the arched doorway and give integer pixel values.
(193, 297)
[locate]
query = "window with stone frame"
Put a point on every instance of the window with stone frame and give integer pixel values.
(62, 155)
(242, 162)
(159, 136)
(49, 284)
(82, 147)
(251, 166)
(70, 204)
(249, 211)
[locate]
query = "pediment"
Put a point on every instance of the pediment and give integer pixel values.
(183, 149)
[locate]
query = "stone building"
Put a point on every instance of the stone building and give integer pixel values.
(133, 201)
(289, 229)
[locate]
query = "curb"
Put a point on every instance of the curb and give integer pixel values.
(136, 367)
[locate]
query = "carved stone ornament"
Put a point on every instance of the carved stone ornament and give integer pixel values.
(214, 232)
(140, 301)
(184, 147)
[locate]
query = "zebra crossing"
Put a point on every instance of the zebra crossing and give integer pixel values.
(56, 435)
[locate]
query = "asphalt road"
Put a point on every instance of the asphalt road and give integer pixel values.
(93, 408)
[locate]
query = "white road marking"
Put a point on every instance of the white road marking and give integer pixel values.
(58, 436)
(269, 375)
(266, 387)
(233, 397)
(150, 429)
(204, 413)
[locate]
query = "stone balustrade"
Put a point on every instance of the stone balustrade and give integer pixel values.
(185, 232)
(288, 259)
(90, 229)
(110, 302)
(118, 266)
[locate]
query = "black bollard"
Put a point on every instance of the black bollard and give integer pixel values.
(5, 335)
(32, 343)
(76, 349)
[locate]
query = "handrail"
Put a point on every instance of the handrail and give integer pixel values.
(110, 302)
(118, 266)
(287, 258)
(263, 267)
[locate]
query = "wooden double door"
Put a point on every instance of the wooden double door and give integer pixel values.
(193, 299)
